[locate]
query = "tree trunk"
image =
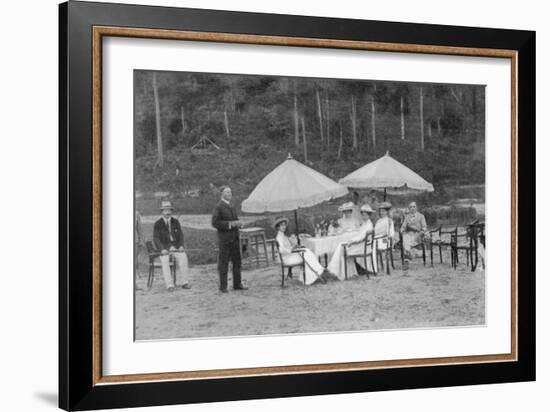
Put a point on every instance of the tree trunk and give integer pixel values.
(373, 121)
(340, 144)
(402, 121)
(304, 139)
(226, 123)
(474, 110)
(328, 121)
(421, 119)
(320, 113)
(157, 120)
(182, 122)
(353, 122)
(296, 121)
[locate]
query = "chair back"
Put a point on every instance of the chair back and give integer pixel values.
(369, 241)
(382, 238)
(150, 248)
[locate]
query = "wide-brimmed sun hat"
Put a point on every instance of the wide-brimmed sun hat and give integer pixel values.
(385, 205)
(166, 204)
(278, 221)
(346, 206)
(366, 208)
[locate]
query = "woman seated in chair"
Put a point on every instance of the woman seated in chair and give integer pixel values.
(291, 253)
(355, 246)
(384, 226)
(347, 223)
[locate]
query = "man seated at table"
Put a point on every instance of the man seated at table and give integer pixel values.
(347, 222)
(413, 230)
(355, 246)
(292, 253)
(168, 239)
(384, 226)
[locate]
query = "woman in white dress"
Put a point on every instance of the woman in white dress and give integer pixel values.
(292, 253)
(384, 226)
(347, 223)
(355, 246)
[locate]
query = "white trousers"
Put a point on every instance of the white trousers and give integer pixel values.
(182, 269)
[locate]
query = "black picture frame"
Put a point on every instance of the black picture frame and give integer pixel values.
(77, 389)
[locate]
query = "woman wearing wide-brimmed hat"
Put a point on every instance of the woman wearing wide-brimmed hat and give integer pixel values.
(288, 247)
(347, 222)
(355, 246)
(384, 225)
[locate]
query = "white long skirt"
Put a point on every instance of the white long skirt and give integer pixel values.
(313, 268)
(337, 262)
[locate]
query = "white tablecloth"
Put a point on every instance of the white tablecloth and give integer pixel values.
(327, 244)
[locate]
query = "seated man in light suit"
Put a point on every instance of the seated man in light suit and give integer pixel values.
(413, 230)
(168, 239)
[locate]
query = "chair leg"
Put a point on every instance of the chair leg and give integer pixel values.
(388, 261)
(424, 254)
(150, 277)
(391, 259)
(431, 254)
(440, 255)
(345, 264)
(379, 257)
(265, 251)
(282, 276)
(474, 253)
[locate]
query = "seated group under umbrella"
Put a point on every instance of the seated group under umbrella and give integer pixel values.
(293, 185)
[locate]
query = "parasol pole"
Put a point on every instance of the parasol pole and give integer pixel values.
(296, 222)
(384, 194)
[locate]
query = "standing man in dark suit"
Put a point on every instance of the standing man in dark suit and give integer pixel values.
(226, 221)
(168, 239)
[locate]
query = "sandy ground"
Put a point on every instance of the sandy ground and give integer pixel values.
(422, 297)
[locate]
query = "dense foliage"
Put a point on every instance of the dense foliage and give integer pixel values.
(254, 121)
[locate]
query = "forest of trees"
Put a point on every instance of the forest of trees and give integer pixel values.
(335, 125)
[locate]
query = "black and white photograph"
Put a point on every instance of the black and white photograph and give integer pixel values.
(271, 205)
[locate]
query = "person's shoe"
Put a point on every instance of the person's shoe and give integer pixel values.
(171, 289)
(241, 287)
(223, 291)
(186, 286)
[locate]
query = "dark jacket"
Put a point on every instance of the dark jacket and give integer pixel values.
(161, 237)
(221, 217)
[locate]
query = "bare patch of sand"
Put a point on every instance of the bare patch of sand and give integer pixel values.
(422, 298)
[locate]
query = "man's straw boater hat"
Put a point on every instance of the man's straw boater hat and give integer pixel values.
(166, 204)
(346, 206)
(278, 221)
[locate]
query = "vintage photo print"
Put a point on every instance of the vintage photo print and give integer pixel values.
(270, 205)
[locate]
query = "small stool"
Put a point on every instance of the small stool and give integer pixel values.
(254, 237)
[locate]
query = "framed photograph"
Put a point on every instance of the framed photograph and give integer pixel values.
(256, 206)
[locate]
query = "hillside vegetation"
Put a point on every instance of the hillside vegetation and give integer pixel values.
(248, 125)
